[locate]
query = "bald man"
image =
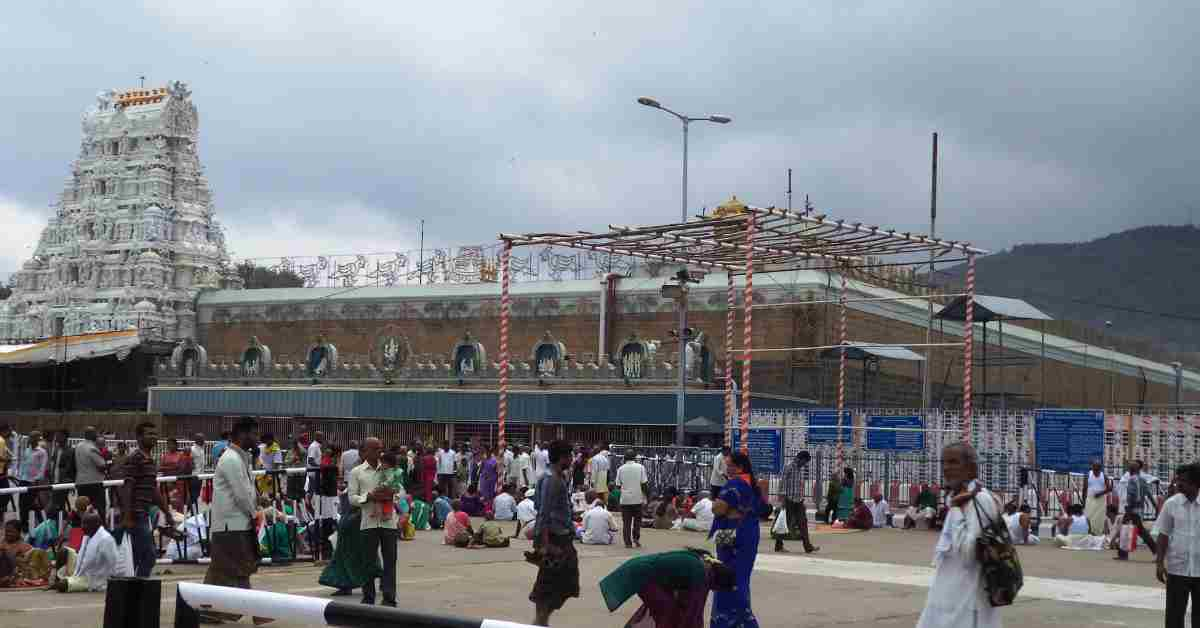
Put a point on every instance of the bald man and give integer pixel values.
(96, 561)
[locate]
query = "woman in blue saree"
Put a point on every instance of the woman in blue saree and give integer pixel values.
(736, 528)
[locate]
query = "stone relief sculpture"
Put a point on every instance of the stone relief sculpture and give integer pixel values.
(321, 358)
(256, 358)
(394, 352)
(548, 355)
(468, 356)
(189, 358)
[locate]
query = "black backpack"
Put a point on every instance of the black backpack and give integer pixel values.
(1002, 573)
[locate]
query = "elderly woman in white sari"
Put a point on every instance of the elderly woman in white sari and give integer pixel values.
(957, 597)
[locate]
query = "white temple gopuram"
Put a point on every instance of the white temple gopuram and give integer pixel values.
(133, 240)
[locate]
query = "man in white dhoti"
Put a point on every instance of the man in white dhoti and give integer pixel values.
(96, 561)
(957, 597)
(1098, 488)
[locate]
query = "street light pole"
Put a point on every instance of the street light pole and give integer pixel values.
(686, 120)
(683, 210)
(681, 393)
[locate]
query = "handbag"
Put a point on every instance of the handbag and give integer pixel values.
(726, 537)
(1001, 568)
(780, 528)
(1129, 539)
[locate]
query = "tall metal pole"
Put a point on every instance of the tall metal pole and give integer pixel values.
(421, 255)
(927, 385)
(683, 210)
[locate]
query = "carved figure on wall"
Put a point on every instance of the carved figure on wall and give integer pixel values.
(468, 355)
(394, 352)
(635, 355)
(256, 359)
(322, 358)
(188, 358)
(548, 355)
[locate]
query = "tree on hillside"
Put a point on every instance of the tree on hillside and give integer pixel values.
(260, 277)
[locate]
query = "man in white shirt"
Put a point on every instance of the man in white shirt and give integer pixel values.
(526, 512)
(598, 525)
(717, 480)
(1178, 556)
(524, 464)
(505, 505)
(702, 514)
(233, 544)
(313, 462)
(446, 457)
(378, 522)
(598, 473)
(96, 562)
(879, 511)
(199, 456)
(632, 479)
(541, 462)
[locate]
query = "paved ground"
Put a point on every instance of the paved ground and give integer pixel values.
(877, 578)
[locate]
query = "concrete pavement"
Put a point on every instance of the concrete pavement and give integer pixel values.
(876, 578)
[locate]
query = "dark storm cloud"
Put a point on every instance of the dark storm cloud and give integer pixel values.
(332, 129)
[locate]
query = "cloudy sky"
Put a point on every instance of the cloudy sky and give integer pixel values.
(333, 129)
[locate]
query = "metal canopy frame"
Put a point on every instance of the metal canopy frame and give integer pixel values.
(740, 239)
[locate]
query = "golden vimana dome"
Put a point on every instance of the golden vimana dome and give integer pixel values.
(731, 207)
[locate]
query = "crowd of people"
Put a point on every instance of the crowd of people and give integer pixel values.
(354, 504)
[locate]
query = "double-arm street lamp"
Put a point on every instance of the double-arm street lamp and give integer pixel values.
(686, 120)
(679, 292)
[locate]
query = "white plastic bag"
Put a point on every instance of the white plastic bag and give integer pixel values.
(1129, 538)
(125, 557)
(781, 526)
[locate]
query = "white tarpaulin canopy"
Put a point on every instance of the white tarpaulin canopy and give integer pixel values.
(69, 348)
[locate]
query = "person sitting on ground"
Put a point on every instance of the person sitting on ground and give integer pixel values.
(665, 514)
(490, 534)
(458, 526)
(860, 516)
(701, 518)
(879, 511)
(45, 535)
(441, 509)
(472, 503)
(1012, 520)
(504, 507)
(526, 514)
(920, 514)
(1112, 526)
(419, 512)
(673, 586)
(683, 503)
(599, 528)
(96, 562)
(15, 556)
(1077, 536)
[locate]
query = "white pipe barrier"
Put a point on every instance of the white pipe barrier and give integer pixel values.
(163, 479)
(192, 597)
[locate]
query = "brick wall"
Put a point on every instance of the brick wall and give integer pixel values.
(798, 373)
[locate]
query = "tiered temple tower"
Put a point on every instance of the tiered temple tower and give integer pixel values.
(133, 240)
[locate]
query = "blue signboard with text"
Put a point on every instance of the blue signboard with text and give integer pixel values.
(1068, 440)
(896, 433)
(822, 427)
(765, 447)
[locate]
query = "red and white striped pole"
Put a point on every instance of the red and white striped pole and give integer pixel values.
(841, 452)
(730, 314)
(502, 410)
(748, 332)
(968, 347)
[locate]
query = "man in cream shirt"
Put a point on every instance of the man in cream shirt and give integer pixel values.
(378, 521)
(232, 540)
